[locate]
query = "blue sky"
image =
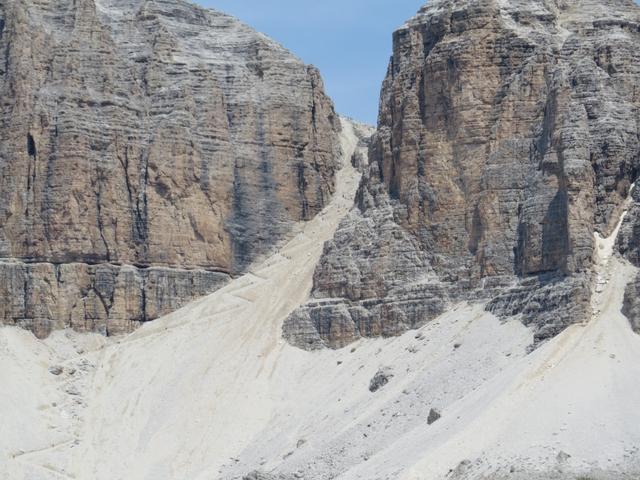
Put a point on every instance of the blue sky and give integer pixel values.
(348, 40)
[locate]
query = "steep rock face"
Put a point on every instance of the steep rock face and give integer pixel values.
(101, 298)
(631, 308)
(148, 151)
(628, 241)
(508, 134)
(629, 246)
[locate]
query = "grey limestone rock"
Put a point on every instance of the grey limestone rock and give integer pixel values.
(508, 133)
(149, 151)
(631, 306)
(56, 370)
(380, 379)
(256, 475)
(628, 242)
(629, 246)
(434, 416)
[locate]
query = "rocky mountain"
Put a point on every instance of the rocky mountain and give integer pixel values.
(150, 150)
(213, 392)
(508, 134)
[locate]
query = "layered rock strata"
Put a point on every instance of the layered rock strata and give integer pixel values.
(149, 150)
(508, 133)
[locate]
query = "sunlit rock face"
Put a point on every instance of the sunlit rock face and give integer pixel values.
(149, 150)
(508, 133)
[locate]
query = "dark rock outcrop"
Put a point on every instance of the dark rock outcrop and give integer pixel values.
(508, 133)
(631, 307)
(628, 242)
(380, 379)
(434, 416)
(149, 150)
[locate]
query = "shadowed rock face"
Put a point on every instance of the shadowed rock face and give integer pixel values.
(149, 150)
(631, 306)
(508, 134)
(629, 246)
(628, 241)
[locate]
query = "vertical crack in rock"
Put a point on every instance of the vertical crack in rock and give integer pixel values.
(141, 208)
(98, 193)
(31, 146)
(32, 154)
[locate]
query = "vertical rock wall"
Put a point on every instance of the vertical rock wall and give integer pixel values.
(508, 133)
(629, 246)
(149, 150)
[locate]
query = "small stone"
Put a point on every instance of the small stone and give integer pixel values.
(434, 416)
(380, 379)
(56, 370)
(72, 390)
(463, 467)
(256, 475)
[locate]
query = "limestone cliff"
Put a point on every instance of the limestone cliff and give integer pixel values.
(508, 133)
(149, 150)
(629, 246)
